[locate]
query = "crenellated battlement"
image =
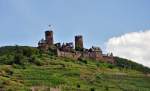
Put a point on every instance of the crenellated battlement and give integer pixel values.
(68, 49)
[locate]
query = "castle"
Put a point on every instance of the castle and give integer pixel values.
(68, 50)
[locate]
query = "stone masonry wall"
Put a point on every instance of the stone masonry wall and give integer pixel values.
(88, 55)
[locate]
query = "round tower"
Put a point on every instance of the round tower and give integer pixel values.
(79, 43)
(49, 37)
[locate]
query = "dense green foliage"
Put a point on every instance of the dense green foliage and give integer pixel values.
(124, 63)
(24, 68)
(20, 55)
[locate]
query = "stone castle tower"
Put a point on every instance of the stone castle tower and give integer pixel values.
(79, 43)
(49, 37)
(68, 50)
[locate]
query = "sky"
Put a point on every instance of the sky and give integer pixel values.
(110, 24)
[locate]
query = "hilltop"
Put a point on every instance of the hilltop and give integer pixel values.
(73, 51)
(24, 68)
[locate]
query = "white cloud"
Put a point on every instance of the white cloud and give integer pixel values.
(134, 46)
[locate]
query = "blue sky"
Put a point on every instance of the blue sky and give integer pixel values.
(23, 22)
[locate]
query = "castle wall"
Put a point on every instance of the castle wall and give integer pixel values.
(75, 55)
(109, 59)
(43, 46)
(67, 49)
(92, 55)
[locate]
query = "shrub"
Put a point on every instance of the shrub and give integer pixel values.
(18, 66)
(36, 61)
(92, 89)
(39, 62)
(111, 66)
(98, 76)
(52, 51)
(98, 64)
(124, 63)
(82, 60)
(78, 86)
(106, 88)
(19, 59)
(6, 59)
(26, 51)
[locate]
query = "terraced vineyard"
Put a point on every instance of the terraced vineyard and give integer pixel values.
(73, 75)
(63, 74)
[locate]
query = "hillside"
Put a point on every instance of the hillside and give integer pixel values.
(25, 68)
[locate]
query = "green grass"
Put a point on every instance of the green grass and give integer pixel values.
(70, 75)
